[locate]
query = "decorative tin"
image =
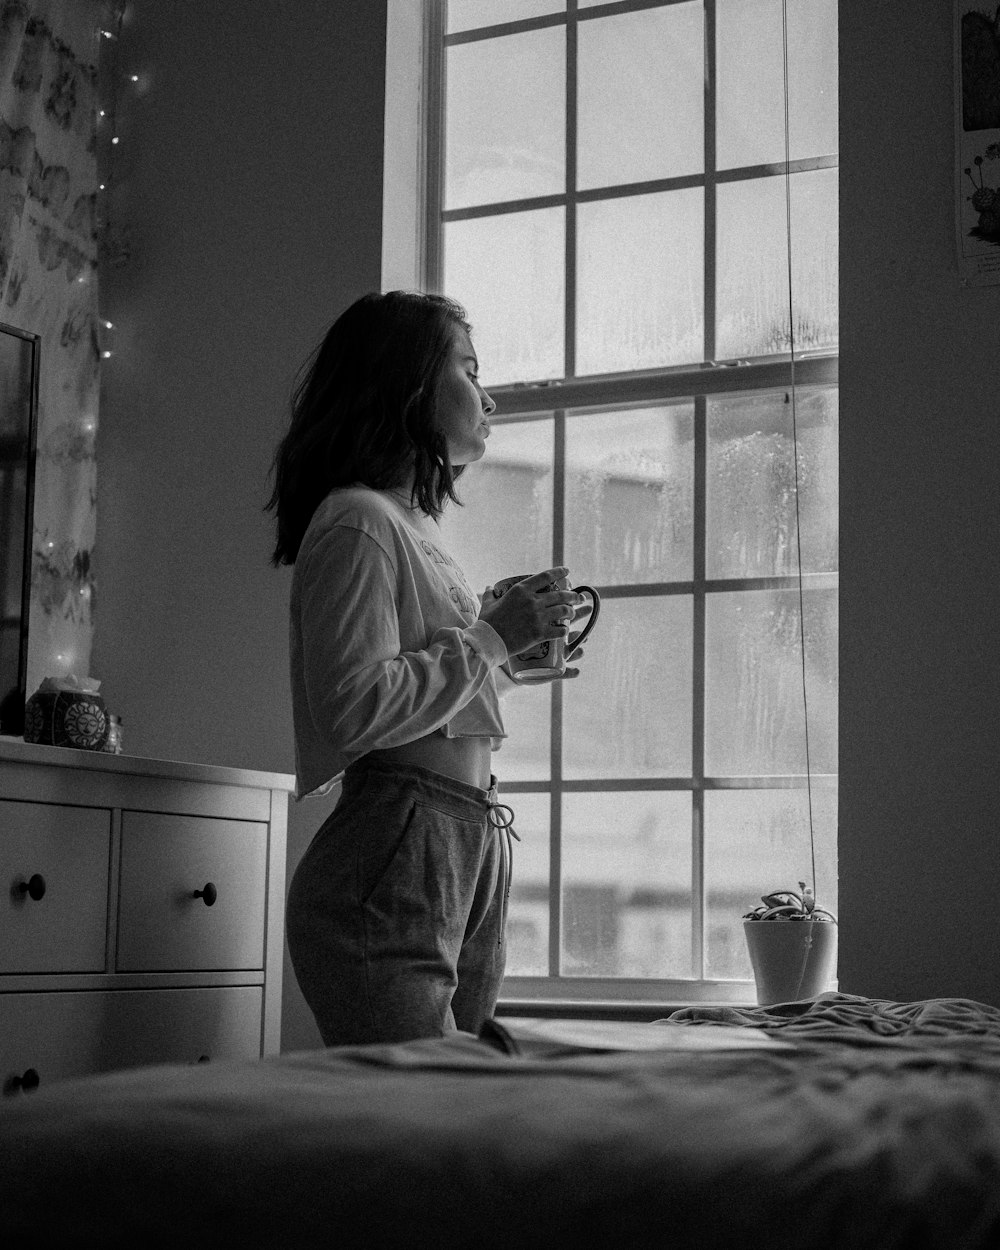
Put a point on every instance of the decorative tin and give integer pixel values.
(67, 718)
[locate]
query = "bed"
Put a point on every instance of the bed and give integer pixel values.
(836, 1122)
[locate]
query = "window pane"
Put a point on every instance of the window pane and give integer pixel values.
(626, 889)
(753, 264)
(640, 282)
(508, 271)
(641, 75)
(628, 714)
(754, 725)
(756, 842)
(526, 753)
(629, 481)
(506, 118)
(505, 526)
(513, 481)
(751, 524)
(528, 911)
(468, 14)
(750, 81)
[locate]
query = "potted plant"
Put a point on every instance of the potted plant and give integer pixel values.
(792, 944)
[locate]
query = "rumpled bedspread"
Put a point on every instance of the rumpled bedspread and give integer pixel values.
(880, 1127)
(949, 1028)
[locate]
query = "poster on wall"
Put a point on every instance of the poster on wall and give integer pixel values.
(977, 141)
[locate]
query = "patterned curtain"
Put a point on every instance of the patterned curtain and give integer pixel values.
(48, 286)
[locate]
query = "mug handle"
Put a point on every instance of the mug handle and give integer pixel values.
(596, 599)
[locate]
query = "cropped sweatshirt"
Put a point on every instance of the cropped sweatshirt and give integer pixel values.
(385, 641)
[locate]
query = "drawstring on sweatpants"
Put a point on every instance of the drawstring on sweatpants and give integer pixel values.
(501, 817)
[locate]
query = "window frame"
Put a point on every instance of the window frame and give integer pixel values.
(558, 398)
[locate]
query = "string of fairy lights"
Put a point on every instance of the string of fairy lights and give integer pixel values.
(115, 83)
(58, 563)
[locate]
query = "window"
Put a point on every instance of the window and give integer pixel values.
(612, 194)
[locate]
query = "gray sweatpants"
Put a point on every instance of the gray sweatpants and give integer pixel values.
(396, 912)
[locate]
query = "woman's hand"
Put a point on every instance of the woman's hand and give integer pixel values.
(568, 672)
(574, 652)
(531, 611)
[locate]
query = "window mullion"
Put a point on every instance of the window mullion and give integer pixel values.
(559, 491)
(556, 740)
(661, 386)
(709, 201)
(698, 901)
(699, 521)
(434, 94)
(569, 270)
(555, 835)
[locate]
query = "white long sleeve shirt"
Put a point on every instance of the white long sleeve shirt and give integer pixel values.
(385, 641)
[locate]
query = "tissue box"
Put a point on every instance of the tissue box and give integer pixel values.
(67, 712)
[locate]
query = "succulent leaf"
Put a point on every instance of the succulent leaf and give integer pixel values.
(780, 898)
(787, 905)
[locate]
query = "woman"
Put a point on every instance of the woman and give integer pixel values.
(395, 917)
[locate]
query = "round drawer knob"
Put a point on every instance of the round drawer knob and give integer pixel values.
(34, 887)
(209, 894)
(27, 1081)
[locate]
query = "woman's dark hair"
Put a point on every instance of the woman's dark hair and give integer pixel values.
(364, 411)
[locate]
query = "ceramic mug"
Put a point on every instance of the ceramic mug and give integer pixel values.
(547, 660)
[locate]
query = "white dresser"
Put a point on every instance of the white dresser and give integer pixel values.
(142, 913)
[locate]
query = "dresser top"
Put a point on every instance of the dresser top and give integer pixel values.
(18, 751)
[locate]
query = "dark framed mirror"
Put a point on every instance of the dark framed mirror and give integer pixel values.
(19, 366)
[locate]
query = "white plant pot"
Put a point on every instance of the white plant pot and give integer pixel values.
(792, 959)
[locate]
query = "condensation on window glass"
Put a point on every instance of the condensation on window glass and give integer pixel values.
(752, 280)
(750, 109)
(626, 884)
(528, 910)
(751, 523)
(505, 528)
(505, 118)
(629, 495)
(470, 14)
(756, 842)
(754, 721)
(628, 714)
(641, 75)
(526, 752)
(508, 271)
(505, 525)
(640, 282)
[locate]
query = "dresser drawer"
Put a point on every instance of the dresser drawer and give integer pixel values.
(47, 1037)
(60, 924)
(192, 893)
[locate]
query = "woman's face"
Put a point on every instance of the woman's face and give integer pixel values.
(463, 405)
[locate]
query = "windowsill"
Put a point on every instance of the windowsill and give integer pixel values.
(601, 1009)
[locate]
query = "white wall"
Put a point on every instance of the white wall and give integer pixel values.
(251, 179)
(920, 442)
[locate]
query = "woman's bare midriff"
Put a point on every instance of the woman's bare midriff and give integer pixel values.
(464, 759)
